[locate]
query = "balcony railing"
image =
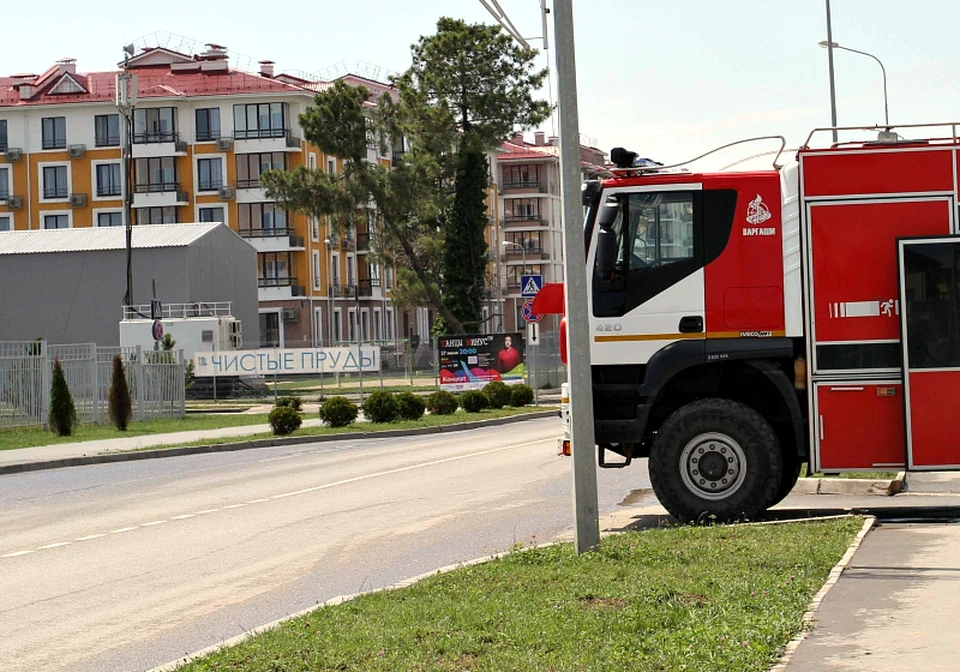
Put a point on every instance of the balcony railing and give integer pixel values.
(3, 145)
(349, 242)
(365, 286)
(155, 138)
(207, 136)
(536, 185)
(252, 183)
(267, 232)
(277, 281)
(258, 133)
(156, 187)
(4, 194)
(363, 242)
(109, 190)
(522, 217)
(55, 192)
(54, 143)
(209, 185)
(107, 140)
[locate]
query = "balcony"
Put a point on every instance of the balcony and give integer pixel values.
(159, 195)
(264, 140)
(523, 220)
(513, 255)
(279, 239)
(278, 288)
(349, 242)
(363, 242)
(164, 143)
(524, 185)
(366, 286)
(208, 136)
(54, 143)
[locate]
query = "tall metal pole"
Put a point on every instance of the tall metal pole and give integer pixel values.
(126, 100)
(583, 444)
(833, 87)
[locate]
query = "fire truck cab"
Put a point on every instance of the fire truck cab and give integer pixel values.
(746, 323)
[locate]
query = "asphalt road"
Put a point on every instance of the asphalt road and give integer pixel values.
(129, 566)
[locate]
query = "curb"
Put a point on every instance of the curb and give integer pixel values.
(107, 458)
(849, 486)
(810, 615)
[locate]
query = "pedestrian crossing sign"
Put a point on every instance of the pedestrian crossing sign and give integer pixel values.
(530, 284)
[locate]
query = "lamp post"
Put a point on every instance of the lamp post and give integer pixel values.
(830, 45)
(523, 253)
(833, 86)
(126, 101)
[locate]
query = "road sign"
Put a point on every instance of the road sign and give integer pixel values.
(530, 284)
(533, 333)
(156, 309)
(527, 312)
(157, 330)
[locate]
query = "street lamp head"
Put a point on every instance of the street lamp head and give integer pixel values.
(825, 44)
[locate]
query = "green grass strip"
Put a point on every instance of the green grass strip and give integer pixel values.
(695, 599)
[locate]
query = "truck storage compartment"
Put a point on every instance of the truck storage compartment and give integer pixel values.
(859, 426)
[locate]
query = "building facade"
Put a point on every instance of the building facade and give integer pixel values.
(201, 135)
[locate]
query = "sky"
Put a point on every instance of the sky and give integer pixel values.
(669, 80)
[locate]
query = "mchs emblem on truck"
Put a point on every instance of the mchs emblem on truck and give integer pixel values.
(758, 213)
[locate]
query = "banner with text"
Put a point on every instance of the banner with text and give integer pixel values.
(470, 362)
(283, 361)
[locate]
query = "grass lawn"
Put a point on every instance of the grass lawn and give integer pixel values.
(427, 421)
(24, 437)
(688, 598)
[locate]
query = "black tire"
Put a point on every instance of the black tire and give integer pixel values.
(715, 460)
(791, 474)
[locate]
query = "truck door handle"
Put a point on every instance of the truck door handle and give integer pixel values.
(691, 324)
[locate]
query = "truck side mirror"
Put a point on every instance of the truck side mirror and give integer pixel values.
(606, 252)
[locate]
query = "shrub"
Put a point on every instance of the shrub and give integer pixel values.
(473, 401)
(410, 406)
(442, 402)
(521, 395)
(291, 402)
(284, 420)
(63, 413)
(497, 394)
(338, 411)
(118, 403)
(381, 407)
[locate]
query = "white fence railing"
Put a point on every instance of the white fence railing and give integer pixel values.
(155, 379)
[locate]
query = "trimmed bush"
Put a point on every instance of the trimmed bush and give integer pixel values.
(381, 407)
(63, 413)
(338, 411)
(497, 394)
(442, 402)
(410, 406)
(284, 420)
(291, 402)
(118, 402)
(473, 401)
(521, 395)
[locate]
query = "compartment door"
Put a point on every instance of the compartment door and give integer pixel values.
(930, 323)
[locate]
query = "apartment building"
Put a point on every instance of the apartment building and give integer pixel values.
(529, 238)
(202, 134)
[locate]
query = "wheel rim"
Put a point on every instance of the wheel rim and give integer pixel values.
(713, 466)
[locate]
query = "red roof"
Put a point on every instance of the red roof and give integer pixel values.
(510, 150)
(152, 83)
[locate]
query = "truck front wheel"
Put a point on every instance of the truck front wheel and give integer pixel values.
(715, 459)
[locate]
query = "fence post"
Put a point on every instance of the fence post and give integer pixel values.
(182, 384)
(95, 379)
(140, 384)
(45, 376)
(436, 361)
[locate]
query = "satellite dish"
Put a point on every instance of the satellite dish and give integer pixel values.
(128, 49)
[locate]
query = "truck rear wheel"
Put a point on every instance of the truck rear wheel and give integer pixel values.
(715, 459)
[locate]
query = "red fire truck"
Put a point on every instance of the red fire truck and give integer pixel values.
(746, 323)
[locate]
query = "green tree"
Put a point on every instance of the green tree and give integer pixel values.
(118, 402)
(63, 413)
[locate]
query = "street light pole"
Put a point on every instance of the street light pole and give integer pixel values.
(830, 45)
(833, 87)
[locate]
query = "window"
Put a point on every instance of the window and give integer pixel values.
(109, 219)
(4, 182)
(208, 124)
(56, 221)
(316, 270)
(335, 269)
(106, 130)
(377, 325)
(351, 324)
(332, 166)
(167, 215)
(209, 174)
(530, 241)
(262, 220)
(388, 277)
(3, 135)
(312, 161)
(315, 229)
(389, 324)
(274, 269)
(260, 120)
(521, 209)
(251, 166)
(522, 176)
(55, 182)
(156, 174)
(109, 182)
(270, 330)
(514, 274)
(337, 322)
(54, 132)
(351, 269)
(211, 215)
(154, 124)
(6, 224)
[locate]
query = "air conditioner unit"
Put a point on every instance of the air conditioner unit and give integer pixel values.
(291, 315)
(226, 193)
(180, 146)
(13, 154)
(76, 151)
(224, 144)
(78, 200)
(15, 202)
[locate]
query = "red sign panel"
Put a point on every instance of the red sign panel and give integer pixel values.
(877, 172)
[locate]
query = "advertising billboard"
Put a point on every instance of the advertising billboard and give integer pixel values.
(470, 362)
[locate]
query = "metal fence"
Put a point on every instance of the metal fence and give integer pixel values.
(155, 379)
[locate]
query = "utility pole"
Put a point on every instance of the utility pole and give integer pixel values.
(126, 101)
(833, 87)
(582, 441)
